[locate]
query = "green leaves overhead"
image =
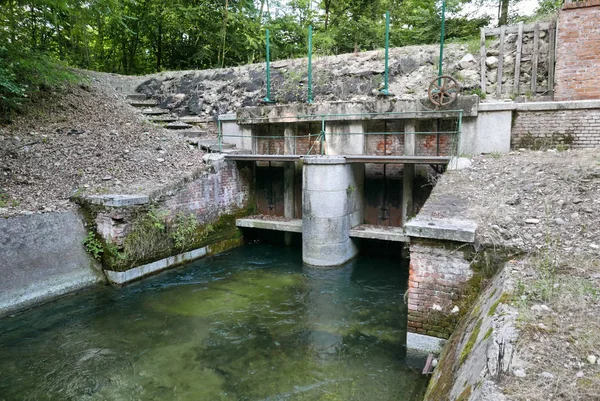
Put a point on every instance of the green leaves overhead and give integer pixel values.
(143, 36)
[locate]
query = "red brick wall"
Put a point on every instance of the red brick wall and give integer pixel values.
(438, 273)
(224, 190)
(578, 51)
(543, 129)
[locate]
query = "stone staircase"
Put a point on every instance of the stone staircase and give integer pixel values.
(197, 131)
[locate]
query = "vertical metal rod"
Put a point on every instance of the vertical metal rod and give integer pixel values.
(385, 90)
(322, 134)
(310, 35)
(267, 99)
(442, 34)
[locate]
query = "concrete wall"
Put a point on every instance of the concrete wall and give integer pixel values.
(489, 132)
(42, 258)
(577, 51)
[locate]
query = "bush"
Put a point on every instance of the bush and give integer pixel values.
(23, 74)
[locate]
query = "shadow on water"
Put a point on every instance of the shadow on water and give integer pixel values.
(249, 324)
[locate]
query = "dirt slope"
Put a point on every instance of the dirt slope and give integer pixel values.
(85, 139)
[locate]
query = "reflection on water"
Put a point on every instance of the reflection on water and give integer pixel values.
(251, 324)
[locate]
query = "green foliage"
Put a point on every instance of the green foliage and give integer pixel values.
(141, 37)
(93, 245)
(184, 230)
(476, 91)
(23, 74)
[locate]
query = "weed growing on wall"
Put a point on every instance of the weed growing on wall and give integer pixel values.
(184, 230)
(93, 246)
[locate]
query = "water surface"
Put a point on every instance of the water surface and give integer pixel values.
(250, 324)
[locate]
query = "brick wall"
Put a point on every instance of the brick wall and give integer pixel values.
(543, 129)
(224, 190)
(578, 51)
(438, 273)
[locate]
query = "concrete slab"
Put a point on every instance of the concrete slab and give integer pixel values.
(442, 228)
(117, 200)
(383, 233)
(291, 226)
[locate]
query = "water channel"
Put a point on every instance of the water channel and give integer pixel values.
(249, 324)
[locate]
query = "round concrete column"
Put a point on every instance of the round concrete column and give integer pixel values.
(327, 183)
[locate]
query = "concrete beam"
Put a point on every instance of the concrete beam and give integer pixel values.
(290, 226)
(394, 234)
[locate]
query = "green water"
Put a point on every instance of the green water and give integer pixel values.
(250, 324)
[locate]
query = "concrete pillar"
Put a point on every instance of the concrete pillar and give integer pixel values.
(289, 172)
(408, 171)
(246, 141)
(328, 184)
(349, 138)
(289, 143)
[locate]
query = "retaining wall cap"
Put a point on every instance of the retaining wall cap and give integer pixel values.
(541, 106)
(444, 229)
(115, 200)
(324, 160)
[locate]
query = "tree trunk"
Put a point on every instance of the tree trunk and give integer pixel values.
(503, 18)
(224, 32)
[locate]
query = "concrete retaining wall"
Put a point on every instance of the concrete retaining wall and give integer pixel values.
(42, 258)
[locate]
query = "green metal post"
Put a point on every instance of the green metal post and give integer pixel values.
(267, 99)
(385, 91)
(220, 136)
(442, 34)
(310, 34)
(322, 134)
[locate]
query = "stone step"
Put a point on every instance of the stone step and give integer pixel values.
(194, 133)
(178, 125)
(163, 119)
(143, 103)
(154, 112)
(137, 96)
(194, 120)
(210, 145)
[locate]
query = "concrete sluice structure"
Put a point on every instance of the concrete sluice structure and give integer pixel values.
(341, 171)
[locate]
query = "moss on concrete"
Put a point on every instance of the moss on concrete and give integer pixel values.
(471, 342)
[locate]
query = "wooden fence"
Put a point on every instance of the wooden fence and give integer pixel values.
(521, 29)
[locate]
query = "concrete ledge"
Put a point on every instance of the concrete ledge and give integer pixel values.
(324, 160)
(421, 342)
(290, 226)
(444, 229)
(116, 200)
(540, 106)
(139, 272)
(394, 234)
